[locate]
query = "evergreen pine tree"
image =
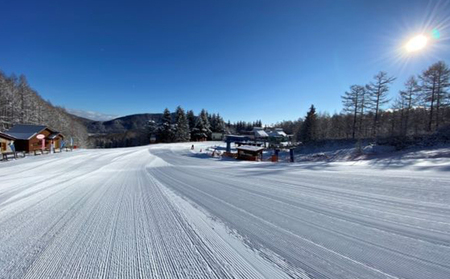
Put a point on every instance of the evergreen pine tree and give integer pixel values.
(307, 132)
(191, 120)
(220, 124)
(202, 128)
(213, 122)
(165, 130)
(183, 132)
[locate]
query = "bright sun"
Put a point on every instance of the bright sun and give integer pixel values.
(417, 43)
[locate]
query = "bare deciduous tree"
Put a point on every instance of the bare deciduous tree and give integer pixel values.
(378, 90)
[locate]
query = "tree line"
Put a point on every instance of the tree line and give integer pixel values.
(242, 127)
(186, 126)
(420, 109)
(21, 104)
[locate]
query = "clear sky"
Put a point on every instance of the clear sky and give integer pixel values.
(247, 60)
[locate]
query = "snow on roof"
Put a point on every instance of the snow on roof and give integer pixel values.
(54, 135)
(259, 133)
(277, 132)
(25, 132)
(250, 148)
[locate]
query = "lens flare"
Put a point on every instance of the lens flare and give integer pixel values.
(417, 43)
(436, 34)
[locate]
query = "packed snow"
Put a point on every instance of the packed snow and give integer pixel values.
(165, 211)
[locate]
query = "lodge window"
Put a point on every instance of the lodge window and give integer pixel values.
(3, 146)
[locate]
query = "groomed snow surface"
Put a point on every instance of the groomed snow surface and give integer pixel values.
(164, 211)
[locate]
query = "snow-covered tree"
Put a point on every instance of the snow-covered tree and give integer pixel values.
(217, 123)
(182, 126)
(202, 129)
(191, 120)
(166, 131)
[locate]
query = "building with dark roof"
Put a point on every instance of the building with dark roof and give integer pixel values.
(26, 137)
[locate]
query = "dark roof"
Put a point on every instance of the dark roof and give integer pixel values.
(6, 136)
(25, 132)
(231, 138)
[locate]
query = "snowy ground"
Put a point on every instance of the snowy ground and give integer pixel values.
(348, 152)
(166, 212)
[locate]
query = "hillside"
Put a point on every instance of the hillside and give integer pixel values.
(21, 104)
(130, 130)
(121, 124)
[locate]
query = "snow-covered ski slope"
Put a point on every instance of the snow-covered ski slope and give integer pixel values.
(163, 211)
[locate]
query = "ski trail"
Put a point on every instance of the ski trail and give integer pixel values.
(110, 218)
(163, 211)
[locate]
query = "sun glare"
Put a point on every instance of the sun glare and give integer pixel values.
(417, 43)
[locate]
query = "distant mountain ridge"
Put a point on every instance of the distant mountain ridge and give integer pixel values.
(125, 131)
(120, 124)
(91, 115)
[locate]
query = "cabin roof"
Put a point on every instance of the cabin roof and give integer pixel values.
(26, 132)
(259, 133)
(277, 132)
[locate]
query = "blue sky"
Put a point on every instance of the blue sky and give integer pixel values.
(247, 60)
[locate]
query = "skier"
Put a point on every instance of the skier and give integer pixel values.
(192, 147)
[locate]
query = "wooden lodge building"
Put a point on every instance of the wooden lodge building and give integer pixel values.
(26, 137)
(250, 153)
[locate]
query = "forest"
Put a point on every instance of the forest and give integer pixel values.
(420, 113)
(21, 104)
(179, 126)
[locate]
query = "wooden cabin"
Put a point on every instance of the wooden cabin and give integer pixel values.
(27, 137)
(5, 143)
(250, 153)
